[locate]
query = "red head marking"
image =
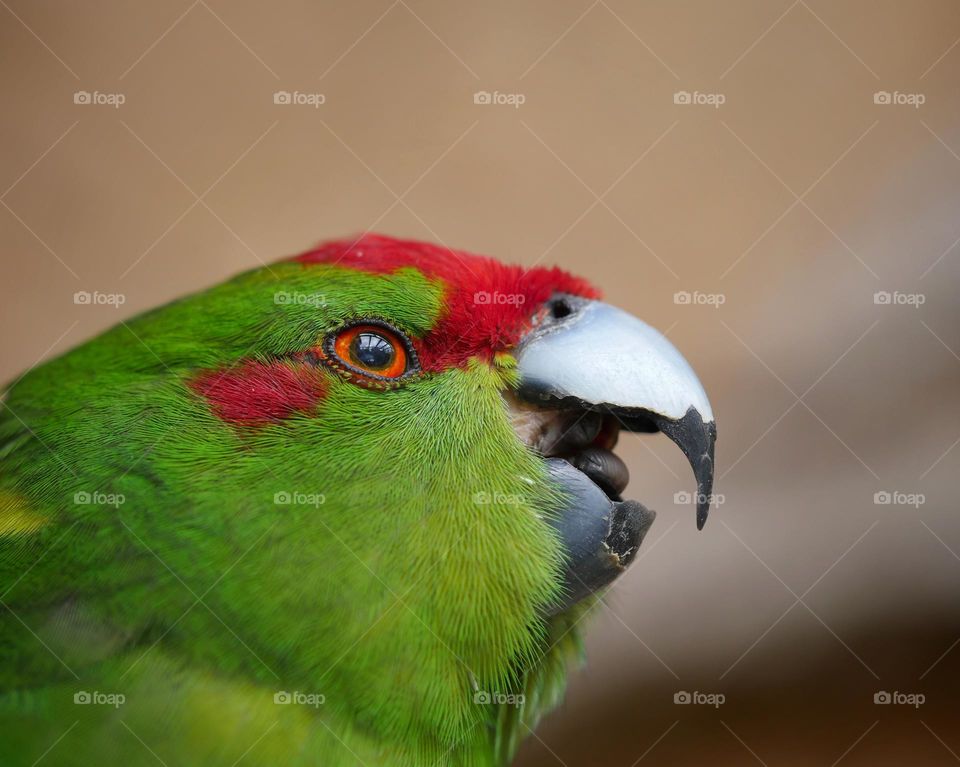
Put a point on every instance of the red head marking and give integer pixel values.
(487, 308)
(489, 305)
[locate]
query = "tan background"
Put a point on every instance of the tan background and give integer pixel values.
(796, 200)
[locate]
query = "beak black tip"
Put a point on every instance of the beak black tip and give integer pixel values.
(704, 476)
(696, 439)
(702, 510)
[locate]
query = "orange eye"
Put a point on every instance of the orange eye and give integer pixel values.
(372, 350)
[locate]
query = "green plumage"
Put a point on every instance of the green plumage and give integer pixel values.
(389, 591)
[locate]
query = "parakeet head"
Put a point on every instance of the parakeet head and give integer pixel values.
(534, 349)
(389, 464)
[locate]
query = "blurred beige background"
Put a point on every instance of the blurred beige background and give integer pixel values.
(781, 211)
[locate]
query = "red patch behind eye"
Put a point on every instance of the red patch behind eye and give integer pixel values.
(489, 305)
(256, 393)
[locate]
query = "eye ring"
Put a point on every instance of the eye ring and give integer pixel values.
(371, 352)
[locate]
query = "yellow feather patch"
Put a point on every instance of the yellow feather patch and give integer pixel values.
(16, 516)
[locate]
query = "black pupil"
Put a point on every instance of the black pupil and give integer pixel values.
(372, 350)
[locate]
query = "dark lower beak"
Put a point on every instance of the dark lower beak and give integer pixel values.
(601, 536)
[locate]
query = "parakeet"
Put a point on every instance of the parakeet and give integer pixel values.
(349, 508)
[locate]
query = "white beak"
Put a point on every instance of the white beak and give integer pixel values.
(598, 357)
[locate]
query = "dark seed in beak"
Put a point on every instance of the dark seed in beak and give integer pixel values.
(572, 431)
(584, 430)
(604, 468)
